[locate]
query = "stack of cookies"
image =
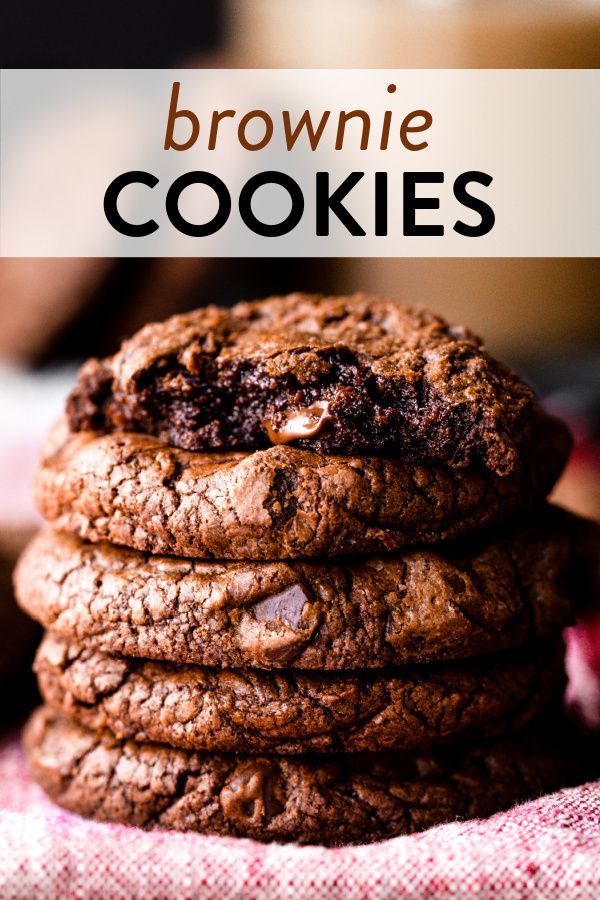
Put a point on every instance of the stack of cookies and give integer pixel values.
(300, 581)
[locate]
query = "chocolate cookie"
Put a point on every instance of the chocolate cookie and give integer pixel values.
(293, 712)
(278, 503)
(419, 606)
(313, 800)
(339, 374)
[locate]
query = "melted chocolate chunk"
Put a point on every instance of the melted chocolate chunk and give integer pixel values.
(299, 423)
(285, 607)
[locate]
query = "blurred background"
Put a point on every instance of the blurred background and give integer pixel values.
(541, 316)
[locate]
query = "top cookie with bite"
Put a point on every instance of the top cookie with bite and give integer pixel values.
(354, 374)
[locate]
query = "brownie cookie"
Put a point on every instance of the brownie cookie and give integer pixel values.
(313, 800)
(339, 374)
(419, 606)
(278, 503)
(292, 712)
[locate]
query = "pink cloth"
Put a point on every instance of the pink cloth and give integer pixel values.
(548, 848)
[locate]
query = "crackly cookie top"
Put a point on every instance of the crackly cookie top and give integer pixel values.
(279, 503)
(352, 374)
(425, 604)
(249, 710)
(324, 799)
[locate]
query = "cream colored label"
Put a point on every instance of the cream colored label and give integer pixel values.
(300, 162)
